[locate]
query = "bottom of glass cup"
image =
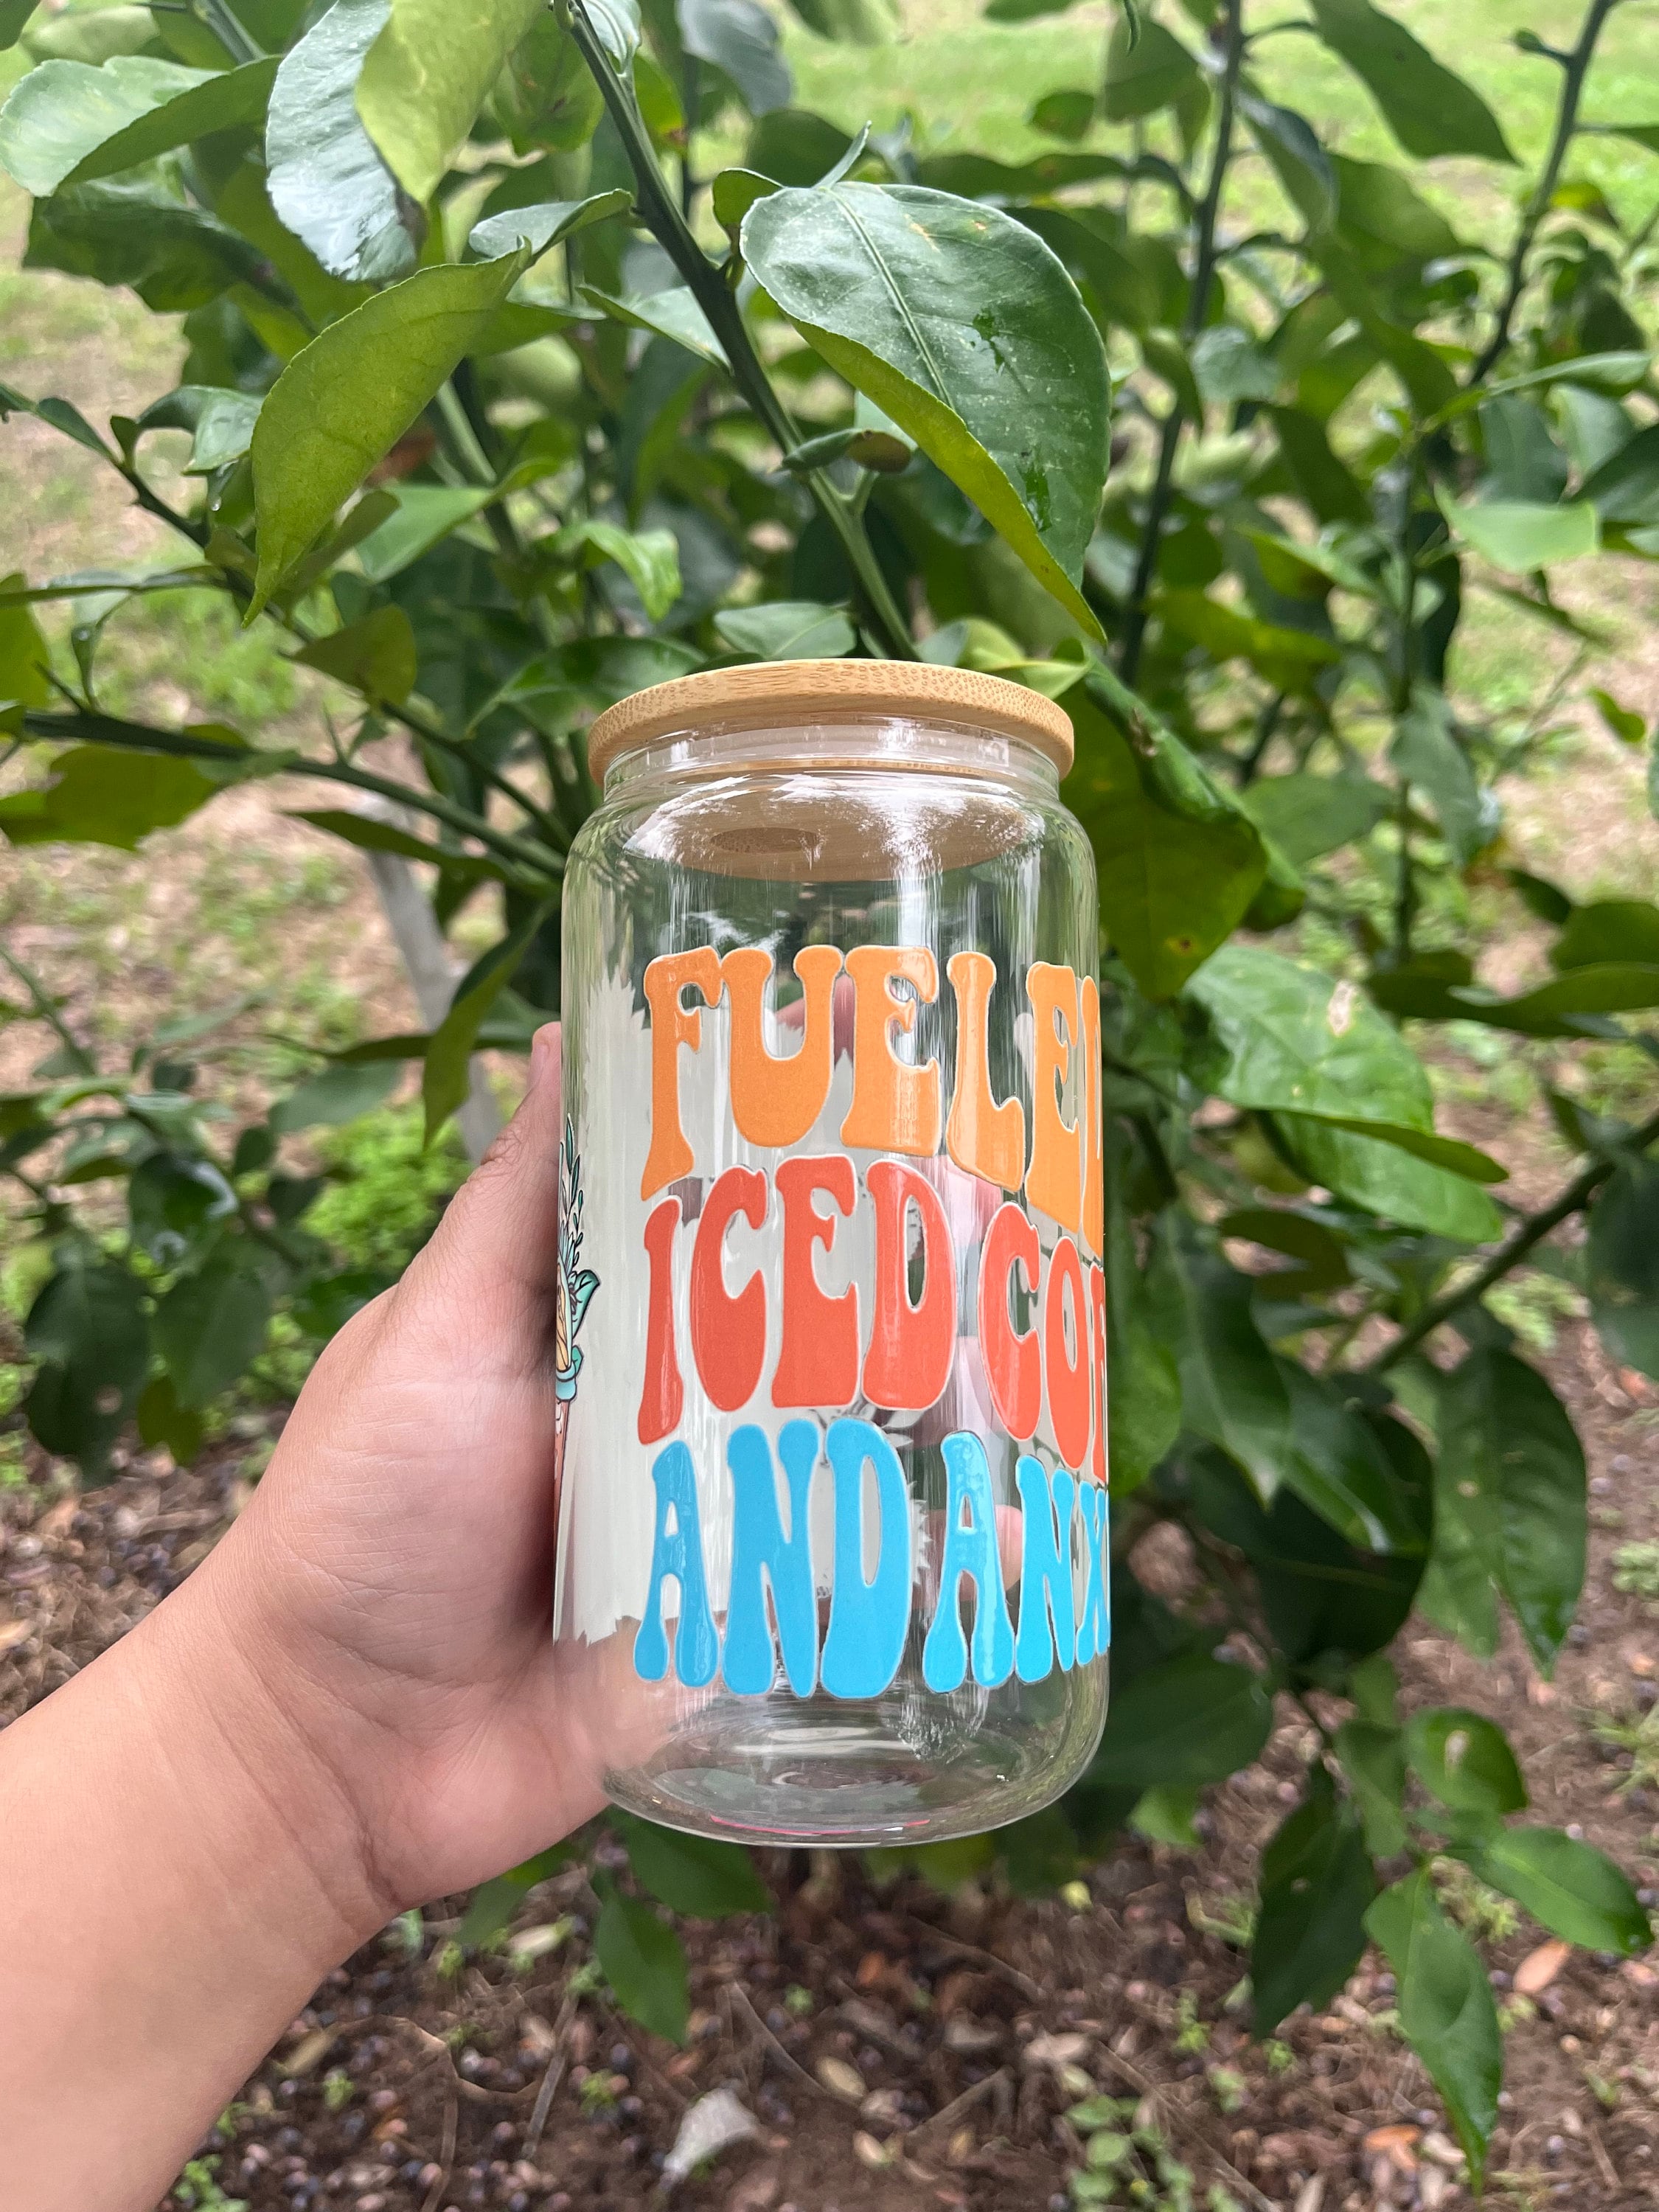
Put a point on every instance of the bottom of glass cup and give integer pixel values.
(823, 1772)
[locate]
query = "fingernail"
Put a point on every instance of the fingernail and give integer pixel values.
(543, 1054)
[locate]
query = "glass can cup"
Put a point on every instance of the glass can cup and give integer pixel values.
(832, 1549)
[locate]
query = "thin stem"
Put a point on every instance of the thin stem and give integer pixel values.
(47, 1011)
(230, 33)
(1574, 67)
(135, 737)
(1261, 738)
(713, 294)
(1158, 506)
(1531, 1232)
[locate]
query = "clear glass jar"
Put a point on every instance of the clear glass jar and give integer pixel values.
(832, 1562)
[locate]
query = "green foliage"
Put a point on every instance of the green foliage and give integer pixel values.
(505, 400)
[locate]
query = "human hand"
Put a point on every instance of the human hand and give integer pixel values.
(348, 1709)
(392, 1578)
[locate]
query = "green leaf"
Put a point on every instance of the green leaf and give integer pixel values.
(674, 313)
(66, 122)
(966, 331)
(1292, 145)
(1627, 724)
(1429, 110)
(136, 231)
(491, 1906)
(1511, 1487)
(1373, 1759)
(418, 516)
(642, 1958)
(852, 23)
(1606, 930)
(1289, 1041)
(14, 19)
(1520, 534)
(334, 1095)
(325, 177)
(162, 1420)
(1064, 114)
(1308, 816)
(1183, 1723)
(344, 403)
(650, 559)
(1179, 860)
(1142, 1407)
(1145, 73)
(1289, 659)
(1317, 1886)
(1623, 1261)
(1465, 1761)
(545, 224)
(104, 795)
(1337, 1464)
(444, 1082)
(1329, 487)
(1429, 757)
(739, 36)
(24, 659)
(88, 1330)
(370, 834)
(1231, 1389)
(1567, 1886)
(376, 656)
(1446, 2009)
(1168, 1816)
(211, 1325)
(692, 1874)
(1625, 488)
(1378, 1173)
(425, 76)
(546, 97)
(788, 629)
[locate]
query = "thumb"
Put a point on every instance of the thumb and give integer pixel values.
(499, 1236)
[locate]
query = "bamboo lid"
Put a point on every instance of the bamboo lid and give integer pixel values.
(761, 694)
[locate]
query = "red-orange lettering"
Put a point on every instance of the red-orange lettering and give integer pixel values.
(1013, 1358)
(1055, 1184)
(818, 1357)
(664, 1395)
(1067, 1373)
(1094, 1172)
(728, 1333)
(1097, 1313)
(911, 1347)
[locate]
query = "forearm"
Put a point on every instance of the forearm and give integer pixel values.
(177, 1873)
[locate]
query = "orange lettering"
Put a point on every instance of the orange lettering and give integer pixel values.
(983, 1137)
(671, 1026)
(1055, 1184)
(728, 1333)
(818, 1358)
(664, 1394)
(1094, 1131)
(775, 1101)
(896, 1108)
(911, 1347)
(1013, 1359)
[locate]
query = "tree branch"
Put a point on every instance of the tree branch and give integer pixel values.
(1532, 1232)
(540, 867)
(713, 294)
(1575, 68)
(1158, 506)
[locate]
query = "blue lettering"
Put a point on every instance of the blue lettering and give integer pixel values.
(758, 1544)
(1045, 1570)
(1094, 1633)
(868, 1621)
(970, 1548)
(678, 1553)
